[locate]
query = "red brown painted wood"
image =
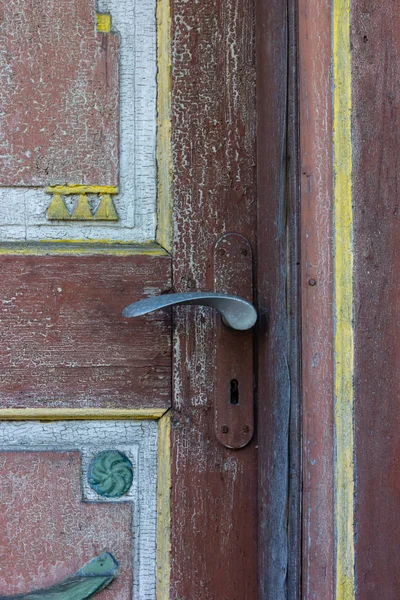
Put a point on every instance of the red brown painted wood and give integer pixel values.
(317, 298)
(376, 139)
(59, 97)
(214, 489)
(64, 342)
(51, 532)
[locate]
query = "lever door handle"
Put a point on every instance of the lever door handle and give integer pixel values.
(237, 313)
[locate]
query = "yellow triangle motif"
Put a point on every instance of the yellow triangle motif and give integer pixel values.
(106, 210)
(82, 211)
(57, 210)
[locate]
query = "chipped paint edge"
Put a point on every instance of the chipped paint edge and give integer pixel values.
(81, 414)
(164, 148)
(163, 556)
(344, 334)
(80, 247)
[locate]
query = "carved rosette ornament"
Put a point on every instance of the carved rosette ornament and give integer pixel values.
(110, 474)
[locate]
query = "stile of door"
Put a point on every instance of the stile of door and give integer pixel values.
(117, 479)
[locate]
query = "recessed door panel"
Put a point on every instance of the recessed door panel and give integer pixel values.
(75, 491)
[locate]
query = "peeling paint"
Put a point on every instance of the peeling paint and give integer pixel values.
(23, 210)
(40, 442)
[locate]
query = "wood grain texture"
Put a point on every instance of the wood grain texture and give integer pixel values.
(317, 297)
(214, 490)
(293, 261)
(64, 342)
(376, 167)
(279, 465)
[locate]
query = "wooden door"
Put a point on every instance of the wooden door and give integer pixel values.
(128, 136)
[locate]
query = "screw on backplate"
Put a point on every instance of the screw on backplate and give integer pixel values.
(224, 429)
(312, 282)
(245, 429)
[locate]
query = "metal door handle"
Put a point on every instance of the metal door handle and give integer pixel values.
(237, 313)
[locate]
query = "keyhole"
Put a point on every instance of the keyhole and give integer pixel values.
(234, 392)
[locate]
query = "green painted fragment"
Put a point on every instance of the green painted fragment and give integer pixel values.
(110, 474)
(85, 583)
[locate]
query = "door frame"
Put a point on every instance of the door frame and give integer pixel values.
(279, 301)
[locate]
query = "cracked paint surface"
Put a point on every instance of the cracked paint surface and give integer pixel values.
(48, 533)
(52, 522)
(59, 97)
(132, 167)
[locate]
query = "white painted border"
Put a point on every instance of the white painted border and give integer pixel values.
(139, 440)
(23, 210)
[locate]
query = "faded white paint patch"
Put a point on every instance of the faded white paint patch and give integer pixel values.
(138, 439)
(23, 210)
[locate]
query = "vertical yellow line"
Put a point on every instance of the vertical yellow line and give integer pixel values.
(164, 508)
(344, 336)
(164, 153)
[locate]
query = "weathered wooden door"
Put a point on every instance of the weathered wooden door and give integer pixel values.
(128, 170)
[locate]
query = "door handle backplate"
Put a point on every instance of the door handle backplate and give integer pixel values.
(233, 339)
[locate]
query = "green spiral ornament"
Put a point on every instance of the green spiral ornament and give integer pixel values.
(110, 474)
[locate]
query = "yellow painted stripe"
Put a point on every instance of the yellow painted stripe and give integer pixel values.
(69, 190)
(80, 414)
(344, 336)
(81, 247)
(164, 152)
(164, 508)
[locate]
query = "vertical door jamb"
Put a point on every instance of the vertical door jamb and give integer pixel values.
(279, 397)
